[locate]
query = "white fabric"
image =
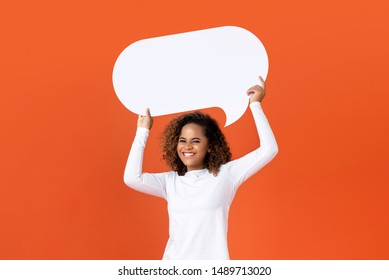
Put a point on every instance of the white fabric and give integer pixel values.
(199, 202)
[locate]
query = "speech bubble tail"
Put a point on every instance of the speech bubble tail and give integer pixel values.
(233, 114)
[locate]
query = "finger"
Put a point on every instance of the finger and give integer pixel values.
(262, 82)
(148, 113)
(255, 89)
(251, 90)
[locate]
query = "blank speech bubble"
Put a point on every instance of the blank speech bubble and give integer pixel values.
(191, 71)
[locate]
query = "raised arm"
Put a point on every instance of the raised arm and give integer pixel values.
(246, 166)
(153, 184)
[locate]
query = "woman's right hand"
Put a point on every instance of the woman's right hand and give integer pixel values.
(145, 121)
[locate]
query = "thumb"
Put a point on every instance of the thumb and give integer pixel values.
(148, 112)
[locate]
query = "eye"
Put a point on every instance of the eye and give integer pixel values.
(181, 140)
(196, 141)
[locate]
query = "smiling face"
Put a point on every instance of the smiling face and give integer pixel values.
(192, 146)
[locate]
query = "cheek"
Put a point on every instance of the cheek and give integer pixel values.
(179, 148)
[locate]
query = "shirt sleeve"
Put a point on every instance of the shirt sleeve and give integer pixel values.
(243, 168)
(153, 184)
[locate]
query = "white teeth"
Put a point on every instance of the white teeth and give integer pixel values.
(188, 154)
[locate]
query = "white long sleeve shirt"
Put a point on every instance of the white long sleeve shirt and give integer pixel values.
(199, 202)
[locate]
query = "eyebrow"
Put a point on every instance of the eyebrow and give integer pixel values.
(195, 138)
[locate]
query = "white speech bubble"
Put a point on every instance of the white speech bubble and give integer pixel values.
(191, 71)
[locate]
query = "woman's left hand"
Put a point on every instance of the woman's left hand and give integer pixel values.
(257, 92)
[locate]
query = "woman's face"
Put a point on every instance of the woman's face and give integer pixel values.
(192, 146)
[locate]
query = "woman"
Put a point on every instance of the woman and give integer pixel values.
(203, 181)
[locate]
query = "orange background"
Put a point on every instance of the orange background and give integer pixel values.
(65, 136)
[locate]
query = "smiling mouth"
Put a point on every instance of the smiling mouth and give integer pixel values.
(188, 154)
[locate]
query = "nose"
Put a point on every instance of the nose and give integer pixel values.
(188, 146)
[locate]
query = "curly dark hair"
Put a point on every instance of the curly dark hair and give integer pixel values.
(219, 150)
